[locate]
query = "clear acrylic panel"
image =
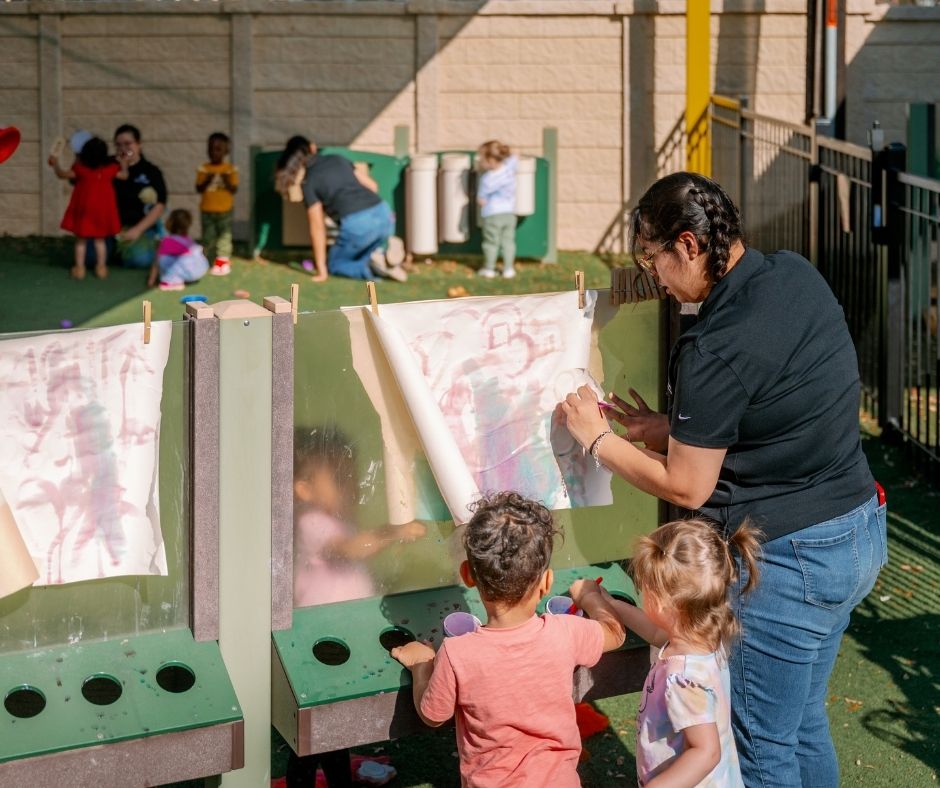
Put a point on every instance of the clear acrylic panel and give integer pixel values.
(357, 533)
(41, 616)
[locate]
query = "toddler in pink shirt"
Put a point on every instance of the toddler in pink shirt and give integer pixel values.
(510, 683)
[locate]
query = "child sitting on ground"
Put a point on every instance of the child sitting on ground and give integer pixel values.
(684, 570)
(179, 258)
(510, 683)
(496, 196)
(217, 182)
(92, 213)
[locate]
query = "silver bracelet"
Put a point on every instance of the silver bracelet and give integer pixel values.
(596, 445)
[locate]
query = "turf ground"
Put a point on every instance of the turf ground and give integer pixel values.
(884, 701)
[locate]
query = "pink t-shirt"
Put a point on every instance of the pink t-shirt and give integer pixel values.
(511, 692)
(319, 577)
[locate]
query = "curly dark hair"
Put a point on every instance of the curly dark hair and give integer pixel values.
(509, 542)
(689, 201)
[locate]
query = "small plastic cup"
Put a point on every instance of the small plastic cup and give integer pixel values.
(559, 605)
(460, 623)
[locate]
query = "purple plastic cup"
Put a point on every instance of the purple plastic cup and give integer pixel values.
(460, 623)
(558, 605)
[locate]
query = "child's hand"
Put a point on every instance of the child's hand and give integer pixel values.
(582, 588)
(413, 654)
(409, 532)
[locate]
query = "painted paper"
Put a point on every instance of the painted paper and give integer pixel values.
(478, 376)
(79, 438)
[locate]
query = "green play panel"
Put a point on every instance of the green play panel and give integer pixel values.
(82, 695)
(339, 652)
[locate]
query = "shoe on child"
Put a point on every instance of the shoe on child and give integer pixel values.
(509, 273)
(487, 273)
(172, 286)
(221, 267)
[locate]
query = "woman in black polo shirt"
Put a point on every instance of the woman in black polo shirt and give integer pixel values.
(332, 187)
(762, 424)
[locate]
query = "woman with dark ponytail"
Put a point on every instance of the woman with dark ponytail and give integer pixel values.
(762, 424)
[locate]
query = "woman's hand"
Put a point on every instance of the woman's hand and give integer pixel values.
(643, 424)
(583, 416)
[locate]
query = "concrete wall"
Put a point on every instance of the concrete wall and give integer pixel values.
(609, 75)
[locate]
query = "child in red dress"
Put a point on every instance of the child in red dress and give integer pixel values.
(92, 212)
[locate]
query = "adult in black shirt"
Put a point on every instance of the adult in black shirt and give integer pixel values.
(141, 201)
(763, 424)
(331, 186)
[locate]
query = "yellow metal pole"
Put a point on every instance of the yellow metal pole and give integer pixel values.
(697, 85)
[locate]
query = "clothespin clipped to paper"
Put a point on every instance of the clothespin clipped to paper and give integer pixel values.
(294, 301)
(146, 322)
(579, 283)
(373, 300)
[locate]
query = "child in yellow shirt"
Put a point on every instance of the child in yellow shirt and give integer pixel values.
(217, 182)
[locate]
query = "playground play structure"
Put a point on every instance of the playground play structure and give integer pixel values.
(153, 679)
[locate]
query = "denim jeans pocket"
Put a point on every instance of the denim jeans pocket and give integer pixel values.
(882, 514)
(830, 569)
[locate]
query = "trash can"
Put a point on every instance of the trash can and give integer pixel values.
(421, 204)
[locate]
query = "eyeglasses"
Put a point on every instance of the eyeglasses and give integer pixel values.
(645, 263)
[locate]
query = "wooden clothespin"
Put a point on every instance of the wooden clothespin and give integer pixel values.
(146, 322)
(579, 283)
(373, 301)
(294, 300)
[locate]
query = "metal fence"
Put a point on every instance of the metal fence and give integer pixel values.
(803, 191)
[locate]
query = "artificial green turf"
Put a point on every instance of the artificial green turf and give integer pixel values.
(884, 697)
(36, 292)
(884, 706)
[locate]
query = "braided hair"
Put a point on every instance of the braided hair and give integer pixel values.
(687, 201)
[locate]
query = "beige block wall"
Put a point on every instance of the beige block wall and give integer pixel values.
(508, 77)
(343, 80)
(19, 106)
(609, 75)
(893, 58)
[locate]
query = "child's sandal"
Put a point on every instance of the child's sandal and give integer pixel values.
(77, 272)
(101, 271)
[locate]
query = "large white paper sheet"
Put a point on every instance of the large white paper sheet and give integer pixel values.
(79, 437)
(478, 376)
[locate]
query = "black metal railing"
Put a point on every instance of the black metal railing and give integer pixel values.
(801, 190)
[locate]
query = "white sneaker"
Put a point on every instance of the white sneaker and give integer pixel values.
(509, 273)
(380, 268)
(395, 253)
(487, 273)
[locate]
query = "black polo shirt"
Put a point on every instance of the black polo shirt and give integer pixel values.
(140, 176)
(769, 371)
(332, 181)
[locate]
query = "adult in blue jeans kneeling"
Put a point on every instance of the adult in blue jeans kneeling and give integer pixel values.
(762, 424)
(331, 186)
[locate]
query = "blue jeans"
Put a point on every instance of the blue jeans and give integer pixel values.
(360, 234)
(792, 624)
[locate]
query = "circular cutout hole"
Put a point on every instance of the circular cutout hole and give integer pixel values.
(331, 651)
(24, 702)
(395, 637)
(102, 690)
(624, 598)
(176, 677)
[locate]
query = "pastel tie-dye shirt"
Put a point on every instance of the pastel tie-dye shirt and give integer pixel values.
(682, 691)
